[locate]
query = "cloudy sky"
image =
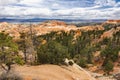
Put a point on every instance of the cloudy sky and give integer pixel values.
(61, 9)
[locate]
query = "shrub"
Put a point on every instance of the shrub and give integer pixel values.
(19, 60)
(108, 67)
(82, 62)
(52, 53)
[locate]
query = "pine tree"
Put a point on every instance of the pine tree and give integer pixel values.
(8, 50)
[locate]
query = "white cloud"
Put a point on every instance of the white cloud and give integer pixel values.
(55, 9)
(105, 2)
(117, 5)
(24, 12)
(37, 12)
(6, 2)
(31, 2)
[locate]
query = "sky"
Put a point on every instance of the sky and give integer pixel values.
(60, 9)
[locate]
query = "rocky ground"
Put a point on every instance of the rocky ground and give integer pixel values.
(51, 72)
(55, 72)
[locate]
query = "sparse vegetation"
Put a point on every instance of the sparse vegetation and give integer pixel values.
(108, 67)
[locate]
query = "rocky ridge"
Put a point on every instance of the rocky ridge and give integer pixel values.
(14, 30)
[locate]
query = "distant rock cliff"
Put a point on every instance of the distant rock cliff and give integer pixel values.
(113, 21)
(14, 30)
